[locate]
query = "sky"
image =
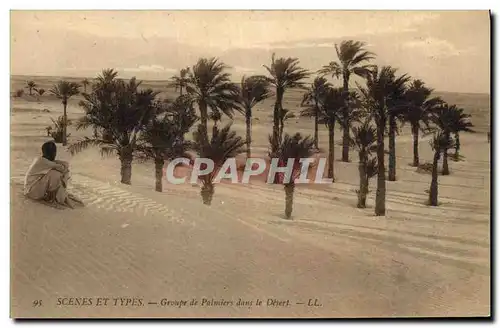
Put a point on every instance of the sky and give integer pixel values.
(449, 50)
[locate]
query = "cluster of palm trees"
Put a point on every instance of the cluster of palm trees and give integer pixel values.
(133, 122)
(32, 86)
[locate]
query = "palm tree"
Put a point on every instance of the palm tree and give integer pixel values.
(439, 143)
(420, 108)
(182, 113)
(451, 120)
(162, 139)
(352, 57)
(180, 82)
(311, 102)
(64, 90)
(285, 74)
(57, 132)
(254, 89)
(381, 85)
(330, 104)
(224, 144)
(85, 82)
(31, 85)
(364, 139)
(40, 91)
(295, 147)
(210, 87)
(462, 123)
(118, 112)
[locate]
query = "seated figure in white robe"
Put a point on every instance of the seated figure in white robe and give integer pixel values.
(47, 178)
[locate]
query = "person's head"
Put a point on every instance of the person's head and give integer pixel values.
(49, 150)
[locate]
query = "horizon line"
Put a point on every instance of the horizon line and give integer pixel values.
(166, 80)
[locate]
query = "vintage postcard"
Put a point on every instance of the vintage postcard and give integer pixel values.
(250, 164)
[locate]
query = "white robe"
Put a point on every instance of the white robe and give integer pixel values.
(47, 180)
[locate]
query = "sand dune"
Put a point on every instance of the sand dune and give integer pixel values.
(132, 242)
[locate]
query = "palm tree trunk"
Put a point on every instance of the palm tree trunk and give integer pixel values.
(331, 150)
(214, 128)
(392, 148)
(416, 159)
(457, 145)
(282, 126)
(363, 180)
(433, 191)
(345, 137)
(380, 198)
(126, 165)
(65, 125)
(316, 138)
(204, 120)
(248, 121)
(159, 162)
(180, 88)
(446, 170)
(289, 190)
(207, 192)
(276, 115)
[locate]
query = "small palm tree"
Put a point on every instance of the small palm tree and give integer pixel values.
(162, 139)
(118, 112)
(330, 104)
(382, 87)
(352, 57)
(451, 120)
(254, 89)
(311, 100)
(180, 81)
(285, 74)
(364, 139)
(41, 91)
(295, 147)
(418, 114)
(224, 144)
(64, 90)
(31, 85)
(439, 143)
(57, 131)
(85, 82)
(210, 87)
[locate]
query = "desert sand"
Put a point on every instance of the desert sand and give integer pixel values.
(133, 242)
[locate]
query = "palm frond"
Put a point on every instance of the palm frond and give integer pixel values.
(85, 143)
(224, 144)
(286, 73)
(364, 136)
(330, 104)
(333, 68)
(208, 82)
(441, 141)
(64, 90)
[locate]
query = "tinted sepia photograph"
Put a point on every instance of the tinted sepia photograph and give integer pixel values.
(250, 164)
